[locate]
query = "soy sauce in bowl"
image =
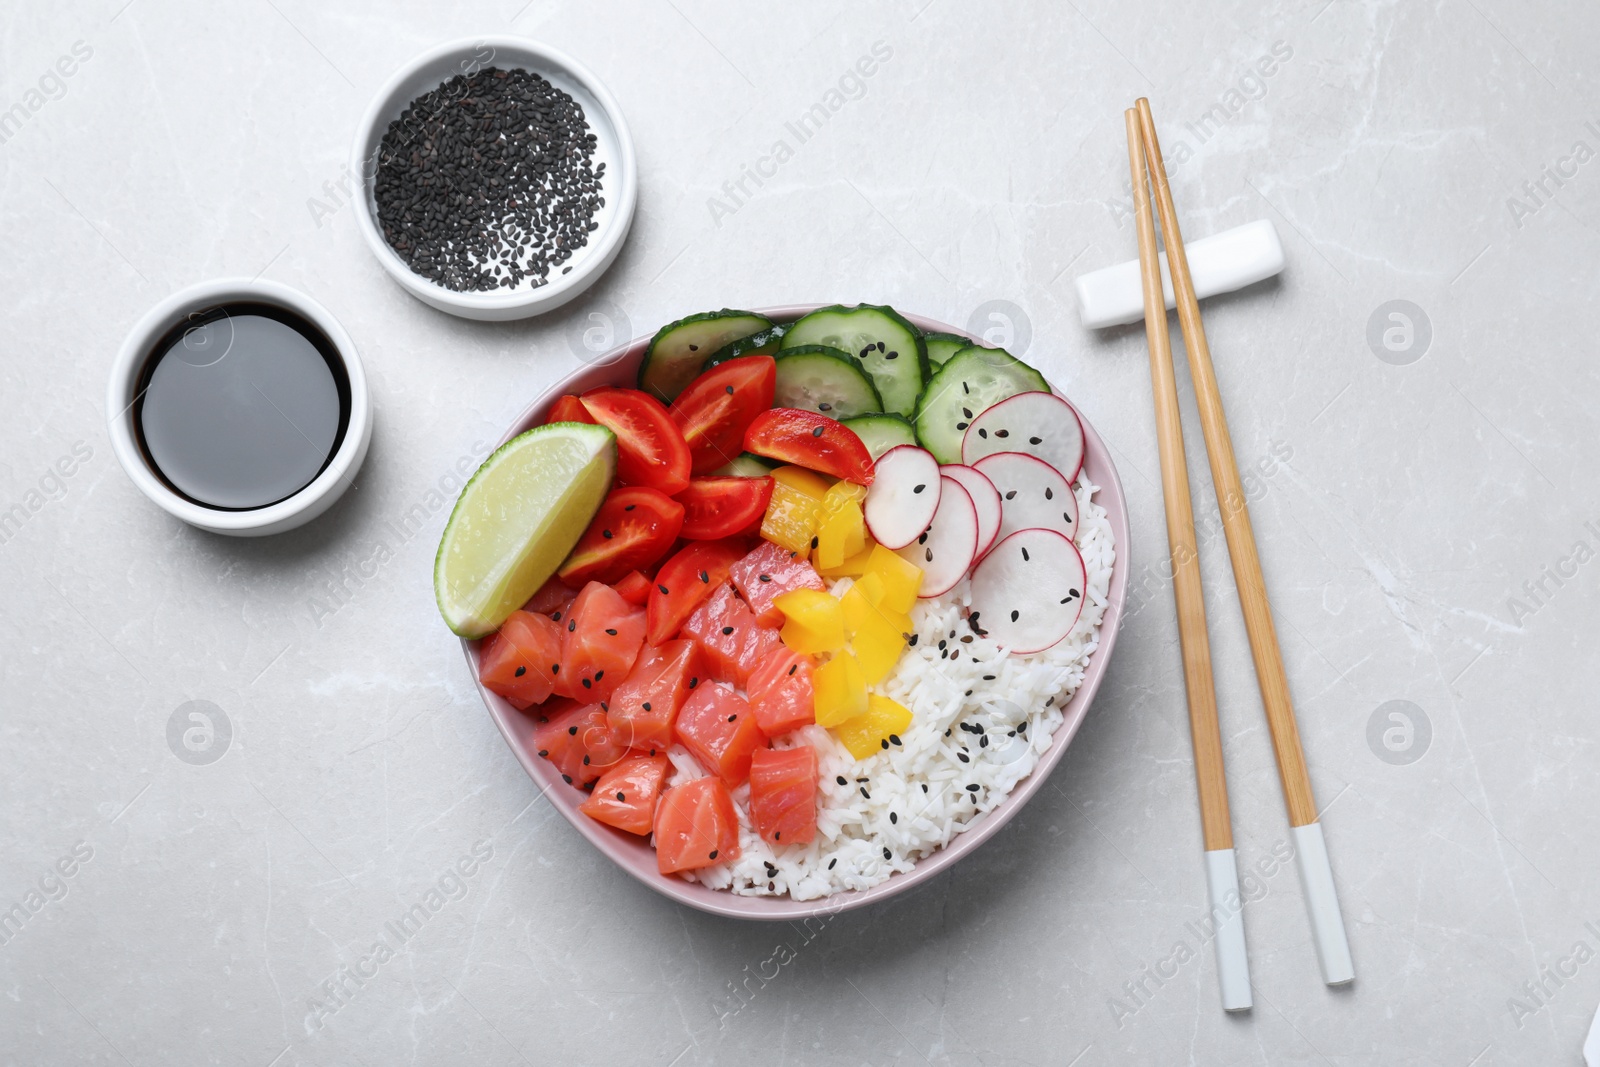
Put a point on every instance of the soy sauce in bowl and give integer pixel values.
(241, 406)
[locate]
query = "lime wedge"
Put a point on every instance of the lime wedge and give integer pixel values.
(516, 521)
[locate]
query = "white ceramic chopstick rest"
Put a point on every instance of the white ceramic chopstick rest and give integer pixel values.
(1220, 263)
(1227, 911)
(1322, 901)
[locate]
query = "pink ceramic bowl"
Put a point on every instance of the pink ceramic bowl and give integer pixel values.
(634, 854)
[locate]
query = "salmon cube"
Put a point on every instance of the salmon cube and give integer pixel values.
(727, 633)
(782, 694)
(766, 572)
(718, 728)
(599, 643)
(642, 709)
(783, 794)
(520, 661)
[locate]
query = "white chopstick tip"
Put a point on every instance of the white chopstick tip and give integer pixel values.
(1220, 263)
(1227, 912)
(1322, 901)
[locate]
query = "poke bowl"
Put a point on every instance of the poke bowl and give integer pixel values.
(1006, 762)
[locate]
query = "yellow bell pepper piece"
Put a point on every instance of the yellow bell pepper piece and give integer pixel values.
(840, 690)
(877, 636)
(791, 519)
(871, 731)
(841, 533)
(842, 493)
(901, 579)
(804, 481)
(852, 567)
(815, 622)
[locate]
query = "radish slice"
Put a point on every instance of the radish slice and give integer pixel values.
(1033, 494)
(1027, 593)
(903, 497)
(985, 497)
(948, 546)
(1040, 424)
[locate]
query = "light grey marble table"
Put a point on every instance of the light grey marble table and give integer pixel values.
(1428, 515)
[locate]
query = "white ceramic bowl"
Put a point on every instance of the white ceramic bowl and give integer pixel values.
(613, 147)
(304, 505)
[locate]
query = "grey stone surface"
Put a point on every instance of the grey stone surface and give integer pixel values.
(1428, 527)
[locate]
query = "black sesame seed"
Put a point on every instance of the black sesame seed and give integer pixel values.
(776, 834)
(886, 854)
(1014, 616)
(613, 633)
(1034, 440)
(817, 432)
(555, 668)
(664, 590)
(704, 577)
(646, 705)
(894, 739)
(792, 666)
(567, 778)
(713, 854)
(607, 534)
(893, 818)
(841, 780)
(919, 488)
(545, 752)
(731, 718)
(521, 671)
(764, 577)
(813, 543)
(572, 731)
(586, 761)
(693, 682)
(726, 630)
(620, 796)
(571, 626)
(973, 788)
(884, 743)
(832, 862)
(729, 389)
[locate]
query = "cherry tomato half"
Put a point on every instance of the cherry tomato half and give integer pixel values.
(685, 581)
(569, 409)
(634, 588)
(810, 440)
(723, 506)
(718, 406)
(634, 527)
(650, 449)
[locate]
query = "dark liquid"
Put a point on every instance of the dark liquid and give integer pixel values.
(242, 406)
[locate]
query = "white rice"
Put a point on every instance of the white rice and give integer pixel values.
(961, 756)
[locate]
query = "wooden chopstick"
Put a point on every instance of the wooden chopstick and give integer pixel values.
(1333, 950)
(1204, 732)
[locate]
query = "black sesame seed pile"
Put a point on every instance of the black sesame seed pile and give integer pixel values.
(488, 181)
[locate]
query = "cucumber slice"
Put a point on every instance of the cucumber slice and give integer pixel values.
(889, 347)
(764, 343)
(819, 378)
(680, 349)
(881, 432)
(746, 465)
(969, 382)
(941, 346)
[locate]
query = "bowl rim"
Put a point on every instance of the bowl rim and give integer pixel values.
(616, 845)
(317, 495)
(507, 303)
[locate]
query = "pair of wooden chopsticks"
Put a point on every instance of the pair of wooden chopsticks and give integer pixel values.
(1316, 875)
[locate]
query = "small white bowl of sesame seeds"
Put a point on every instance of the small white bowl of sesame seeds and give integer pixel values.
(497, 178)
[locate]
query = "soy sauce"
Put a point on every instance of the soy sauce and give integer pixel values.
(241, 406)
